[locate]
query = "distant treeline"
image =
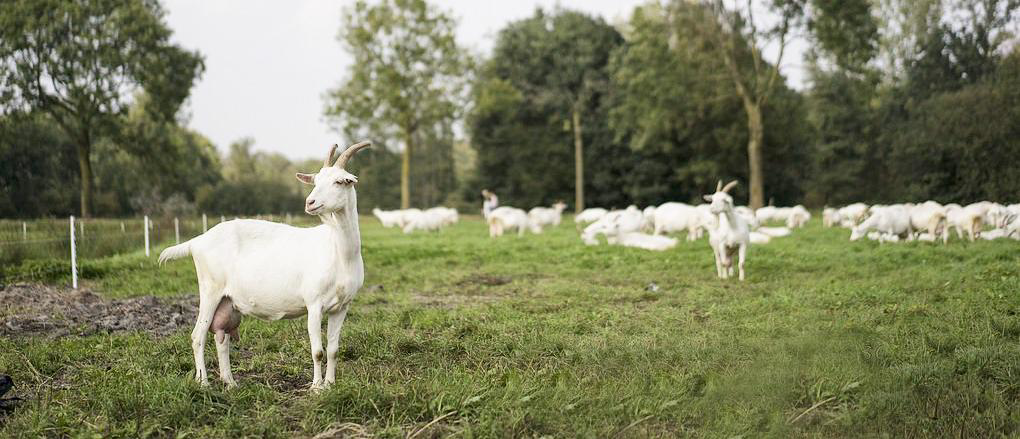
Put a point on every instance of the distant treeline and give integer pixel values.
(901, 104)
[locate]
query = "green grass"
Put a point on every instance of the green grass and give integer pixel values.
(545, 336)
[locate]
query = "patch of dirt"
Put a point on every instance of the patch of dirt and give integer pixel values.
(484, 280)
(449, 301)
(40, 310)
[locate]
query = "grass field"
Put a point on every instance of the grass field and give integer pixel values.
(457, 334)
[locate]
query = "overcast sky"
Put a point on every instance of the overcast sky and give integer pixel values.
(268, 63)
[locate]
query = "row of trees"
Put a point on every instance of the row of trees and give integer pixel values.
(906, 100)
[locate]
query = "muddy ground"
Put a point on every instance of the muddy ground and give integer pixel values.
(28, 310)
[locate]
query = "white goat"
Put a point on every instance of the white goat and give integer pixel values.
(852, 215)
(540, 217)
(929, 217)
(389, 219)
(615, 222)
(590, 215)
(675, 217)
(431, 219)
(887, 221)
(797, 216)
(504, 218)
(648, 219)
(730, 236)
(965, 220)
(274, 271)
(830, 217)
(640, 240)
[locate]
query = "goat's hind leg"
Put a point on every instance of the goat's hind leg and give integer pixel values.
(225, 323)
(206, 310)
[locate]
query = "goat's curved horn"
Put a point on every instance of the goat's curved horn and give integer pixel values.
(718, 186)
(341, 161)
(729, 186)
(329, 157)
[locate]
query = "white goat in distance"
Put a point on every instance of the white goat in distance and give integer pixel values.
(275, 271)
(730, 235)
(540, 217)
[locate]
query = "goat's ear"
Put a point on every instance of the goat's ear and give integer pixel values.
(708, 198)
(305, 178)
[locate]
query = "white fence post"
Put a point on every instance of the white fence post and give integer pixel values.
(74, 259)
(122, 227)
(24, 231)
(222, 218)
(146, 236)
(205, 223)
(177, 231)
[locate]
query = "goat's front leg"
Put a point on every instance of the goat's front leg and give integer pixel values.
(206, 310)
(315, 339)
(718, 263)
(336, 322)
(742, 253)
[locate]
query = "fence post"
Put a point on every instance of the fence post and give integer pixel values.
(223, 218)
(146, 225)
(205, 223)
(177, 231)
(74, 259)
(122, 227)
(24, 231)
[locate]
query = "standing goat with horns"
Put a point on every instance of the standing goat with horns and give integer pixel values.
(275, 271)
(730, 234)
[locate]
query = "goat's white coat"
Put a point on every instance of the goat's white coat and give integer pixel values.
(730, 236)
(505, 218)
(540, 217)
(887, 220)
(628, 220)
(590, 215)
(676, 217)
(275, 271)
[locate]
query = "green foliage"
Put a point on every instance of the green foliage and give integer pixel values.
(541, 68)
(89, 53)
(37, 175)
(404, 87)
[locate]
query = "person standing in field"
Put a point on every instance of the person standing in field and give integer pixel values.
(490, 202)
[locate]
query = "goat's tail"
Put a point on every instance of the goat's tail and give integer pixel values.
(175, 252)
(937, 224)
(975, 226)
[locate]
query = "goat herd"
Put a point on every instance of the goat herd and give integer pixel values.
(732, 228)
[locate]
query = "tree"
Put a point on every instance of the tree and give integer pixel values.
(742, 33)
(407, 78)
(683, 121)
(79, 61)
(547, 79)
(737, 31)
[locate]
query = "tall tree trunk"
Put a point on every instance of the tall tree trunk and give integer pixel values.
(85, 169)
(578, 163)
(755, 139)
(405, 172)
